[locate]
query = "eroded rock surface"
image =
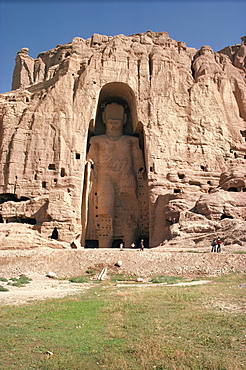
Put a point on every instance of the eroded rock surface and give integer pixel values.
(184, 112)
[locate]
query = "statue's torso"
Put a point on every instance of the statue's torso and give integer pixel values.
(113, 156)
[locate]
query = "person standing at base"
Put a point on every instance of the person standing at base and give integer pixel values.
(142, 245)
(219, 245)
(213, 245)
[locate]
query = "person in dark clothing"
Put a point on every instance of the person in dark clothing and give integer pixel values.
(214, 245)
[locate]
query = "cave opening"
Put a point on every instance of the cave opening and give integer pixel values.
(6, 197)
(225, 216)
(91, 243)
(54, 234)
(233, 189)
(22, 220)
(116, 243)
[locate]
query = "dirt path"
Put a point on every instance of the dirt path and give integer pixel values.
(44, 288)
(40, 288)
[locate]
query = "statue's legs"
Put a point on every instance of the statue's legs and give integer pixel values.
(129, 215)
(106, 211)
(106, 196)
(118, 211)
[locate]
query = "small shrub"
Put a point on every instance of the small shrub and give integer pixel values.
(3, 280)
(17, 283)
(24, 279)
(79, 279)
(2, 289)
(122, 277)
(20, 282)
(91, 272)
(166, 279)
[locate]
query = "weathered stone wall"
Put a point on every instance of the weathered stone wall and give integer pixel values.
(187, 107)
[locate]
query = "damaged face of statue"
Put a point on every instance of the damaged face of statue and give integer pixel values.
(114, 119)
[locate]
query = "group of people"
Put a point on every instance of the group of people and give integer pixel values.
(133, 245)
(216, 245)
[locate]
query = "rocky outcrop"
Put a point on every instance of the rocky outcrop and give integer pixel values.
(187, 109)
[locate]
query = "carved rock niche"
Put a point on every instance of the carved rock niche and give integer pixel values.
(115, 194)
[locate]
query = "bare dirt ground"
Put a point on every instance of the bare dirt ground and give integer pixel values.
(43, 288)
(40, 288)
(67, 263)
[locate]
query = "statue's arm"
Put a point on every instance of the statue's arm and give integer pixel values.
(91, 155)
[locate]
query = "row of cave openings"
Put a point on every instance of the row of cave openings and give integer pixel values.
(116, 243)
(181, 176)
(52, 167)
(223, 216)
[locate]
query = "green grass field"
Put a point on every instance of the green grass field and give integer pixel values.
(134, 327)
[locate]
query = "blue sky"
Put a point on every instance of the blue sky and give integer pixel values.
(40, 25)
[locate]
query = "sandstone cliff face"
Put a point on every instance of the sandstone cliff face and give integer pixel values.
(187, 108)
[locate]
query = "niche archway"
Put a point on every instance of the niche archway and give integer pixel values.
(115, 195)
(123, 94)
